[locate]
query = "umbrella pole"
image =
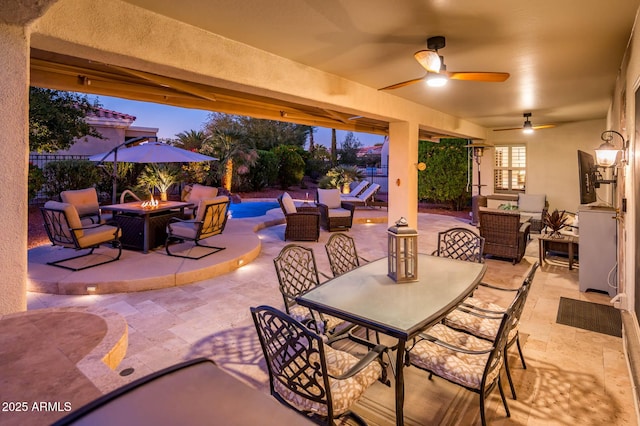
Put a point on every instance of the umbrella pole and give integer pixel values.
(115, 177)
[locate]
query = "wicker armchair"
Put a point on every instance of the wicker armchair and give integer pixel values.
(504, 234)
(335, 214)
(303, 223)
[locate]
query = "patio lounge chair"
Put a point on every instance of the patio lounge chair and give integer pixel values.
(64, 228)
(210, 220)
(310, 376)
(335, 214)
(303, 224)
(86, 203)
(365, 198)
(357, 189)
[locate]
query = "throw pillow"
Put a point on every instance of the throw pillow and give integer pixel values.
(329, 197)
(288, 204)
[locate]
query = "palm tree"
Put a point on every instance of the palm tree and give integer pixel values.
(192, 140)
(227, 145)
(334, 148)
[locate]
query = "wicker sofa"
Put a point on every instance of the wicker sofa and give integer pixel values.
(504, 233)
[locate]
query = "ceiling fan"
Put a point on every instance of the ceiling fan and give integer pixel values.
(437, 74)
(527, 127)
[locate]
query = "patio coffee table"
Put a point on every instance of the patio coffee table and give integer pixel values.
(144, 228)
(366, 296)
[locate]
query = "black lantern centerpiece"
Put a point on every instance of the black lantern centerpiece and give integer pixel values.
(403, 252)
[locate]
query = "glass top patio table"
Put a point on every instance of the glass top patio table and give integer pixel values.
(368, 297)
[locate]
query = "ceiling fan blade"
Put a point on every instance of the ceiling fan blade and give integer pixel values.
(404, 83)
(544, 126)
(429, 60)
(510, 128)
(490, 77)
(540, 127)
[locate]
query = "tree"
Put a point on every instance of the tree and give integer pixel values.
(334, 148)
(57, 119)
(291, 165)
(192, 140)
(228, 147)
(349, 149)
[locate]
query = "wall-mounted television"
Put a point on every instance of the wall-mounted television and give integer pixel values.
(587, 172)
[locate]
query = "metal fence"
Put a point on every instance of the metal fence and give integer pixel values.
(378, 175)
(41, 160)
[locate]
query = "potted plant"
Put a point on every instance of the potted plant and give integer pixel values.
(160, 177)
(555, 221)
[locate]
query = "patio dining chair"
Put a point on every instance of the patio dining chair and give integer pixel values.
(342, 254)
(461, 244)
(210, 220)
(297, 274)
(310, 376)
(86, 203)
(64, 228)
(477, 317)
(464, 359)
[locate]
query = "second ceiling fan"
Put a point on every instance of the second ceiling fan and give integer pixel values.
(437, 74)
(527, 127)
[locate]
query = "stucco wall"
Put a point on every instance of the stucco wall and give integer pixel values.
(552, 161)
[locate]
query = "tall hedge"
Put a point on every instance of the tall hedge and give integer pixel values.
(69, 174)
(445, 179)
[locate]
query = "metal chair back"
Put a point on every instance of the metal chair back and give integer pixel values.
(460, 243)
(297, 272)
(342, 254)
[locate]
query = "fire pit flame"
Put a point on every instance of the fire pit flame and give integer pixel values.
(152, 203)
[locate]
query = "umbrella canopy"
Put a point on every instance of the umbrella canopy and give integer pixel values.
(149, 152)
(152, 152)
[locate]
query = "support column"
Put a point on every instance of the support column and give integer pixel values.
(403, 174)
(14, 141)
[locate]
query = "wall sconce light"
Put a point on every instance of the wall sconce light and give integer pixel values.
(607, 153)
(421, 167)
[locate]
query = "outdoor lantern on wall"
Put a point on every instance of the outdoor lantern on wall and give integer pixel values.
(607, 153)
(402, 252)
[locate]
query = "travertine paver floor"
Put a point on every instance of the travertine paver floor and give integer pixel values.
(573, 376)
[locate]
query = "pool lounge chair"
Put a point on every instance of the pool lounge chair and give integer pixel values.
(365, 198)
(357, 189)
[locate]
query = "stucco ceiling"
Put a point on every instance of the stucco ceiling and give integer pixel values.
(563, 56)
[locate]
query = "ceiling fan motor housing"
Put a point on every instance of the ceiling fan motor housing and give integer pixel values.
(435, 43)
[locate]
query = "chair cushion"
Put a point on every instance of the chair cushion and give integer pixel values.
(457, 367)
(288, 204)
(84, 200)
(344, 393)
(486, 328)
(199, 193)
(329, 197)
(339, 212)
(531, 202)
(302, 315)
(98, 235)
(73, 219)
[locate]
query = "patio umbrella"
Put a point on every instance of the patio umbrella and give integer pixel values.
(152, 152)
(149, 152)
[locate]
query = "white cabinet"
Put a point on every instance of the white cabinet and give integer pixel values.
(598, 263)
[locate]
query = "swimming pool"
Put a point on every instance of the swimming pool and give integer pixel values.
(251, 208)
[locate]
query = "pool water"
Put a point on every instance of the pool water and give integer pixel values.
(251, 208)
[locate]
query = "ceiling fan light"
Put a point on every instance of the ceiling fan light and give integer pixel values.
(436, 80)
(527, 128)
(429, 59)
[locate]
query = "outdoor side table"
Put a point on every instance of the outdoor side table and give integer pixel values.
(565, 243)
